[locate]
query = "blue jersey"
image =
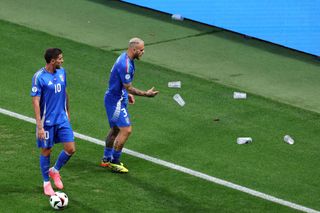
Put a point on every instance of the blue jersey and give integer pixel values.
(51, 88)
(122, 72)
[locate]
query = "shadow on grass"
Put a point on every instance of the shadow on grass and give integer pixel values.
(164, 195)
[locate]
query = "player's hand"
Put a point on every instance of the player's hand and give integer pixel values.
(41, 133)
(151, 92)
(131, 99)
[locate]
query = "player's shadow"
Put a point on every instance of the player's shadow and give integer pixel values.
(175, 200)
(81, 205)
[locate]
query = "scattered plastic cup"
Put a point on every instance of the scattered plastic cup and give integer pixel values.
(179, 99)
(244, 140)
(174, 84)
(288, 139)
(239, 95)
(177, 17)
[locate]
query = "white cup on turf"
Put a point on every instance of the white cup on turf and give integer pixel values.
(179, 99)
(174, 84)
(244, 140)
(239, 95)
(288, 139)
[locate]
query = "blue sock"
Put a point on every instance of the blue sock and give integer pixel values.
(44, 166)
(62, 160)
(108, 152)
(116, 156)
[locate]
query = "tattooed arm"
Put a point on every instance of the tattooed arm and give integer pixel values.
(134, 91)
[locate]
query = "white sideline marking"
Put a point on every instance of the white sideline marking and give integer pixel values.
(180, 168)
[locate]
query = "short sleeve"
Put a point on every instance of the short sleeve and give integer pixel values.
(36, 86)
(126, 73)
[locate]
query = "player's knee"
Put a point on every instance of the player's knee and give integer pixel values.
(128, 131)
(115, 131)
(70, 148)
(46, 152)
(72, 151)
(125, 132)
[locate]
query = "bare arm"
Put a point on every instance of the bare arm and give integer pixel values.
(36, 107)
(131, 99)
(134, 91)
(67, 103)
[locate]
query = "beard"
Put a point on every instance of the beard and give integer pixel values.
(137, 56)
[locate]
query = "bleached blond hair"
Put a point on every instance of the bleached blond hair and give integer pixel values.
(135, 41)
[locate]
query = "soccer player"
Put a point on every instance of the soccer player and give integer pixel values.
(51, 107)
(117, 96)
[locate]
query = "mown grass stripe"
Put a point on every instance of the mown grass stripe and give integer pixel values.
(180, 168)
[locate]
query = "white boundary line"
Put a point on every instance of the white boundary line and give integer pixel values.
(180, 168)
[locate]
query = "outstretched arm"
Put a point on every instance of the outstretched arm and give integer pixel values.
(134, 91)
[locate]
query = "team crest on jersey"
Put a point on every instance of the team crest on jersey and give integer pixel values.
(61, 77)
(34, 89)
(127, 77)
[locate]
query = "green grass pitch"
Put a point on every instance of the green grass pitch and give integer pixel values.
(187, 136)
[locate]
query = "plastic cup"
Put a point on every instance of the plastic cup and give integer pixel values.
(239, 95)
(174, 84)
(244, 140)
(288, 139)
(179, 99)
